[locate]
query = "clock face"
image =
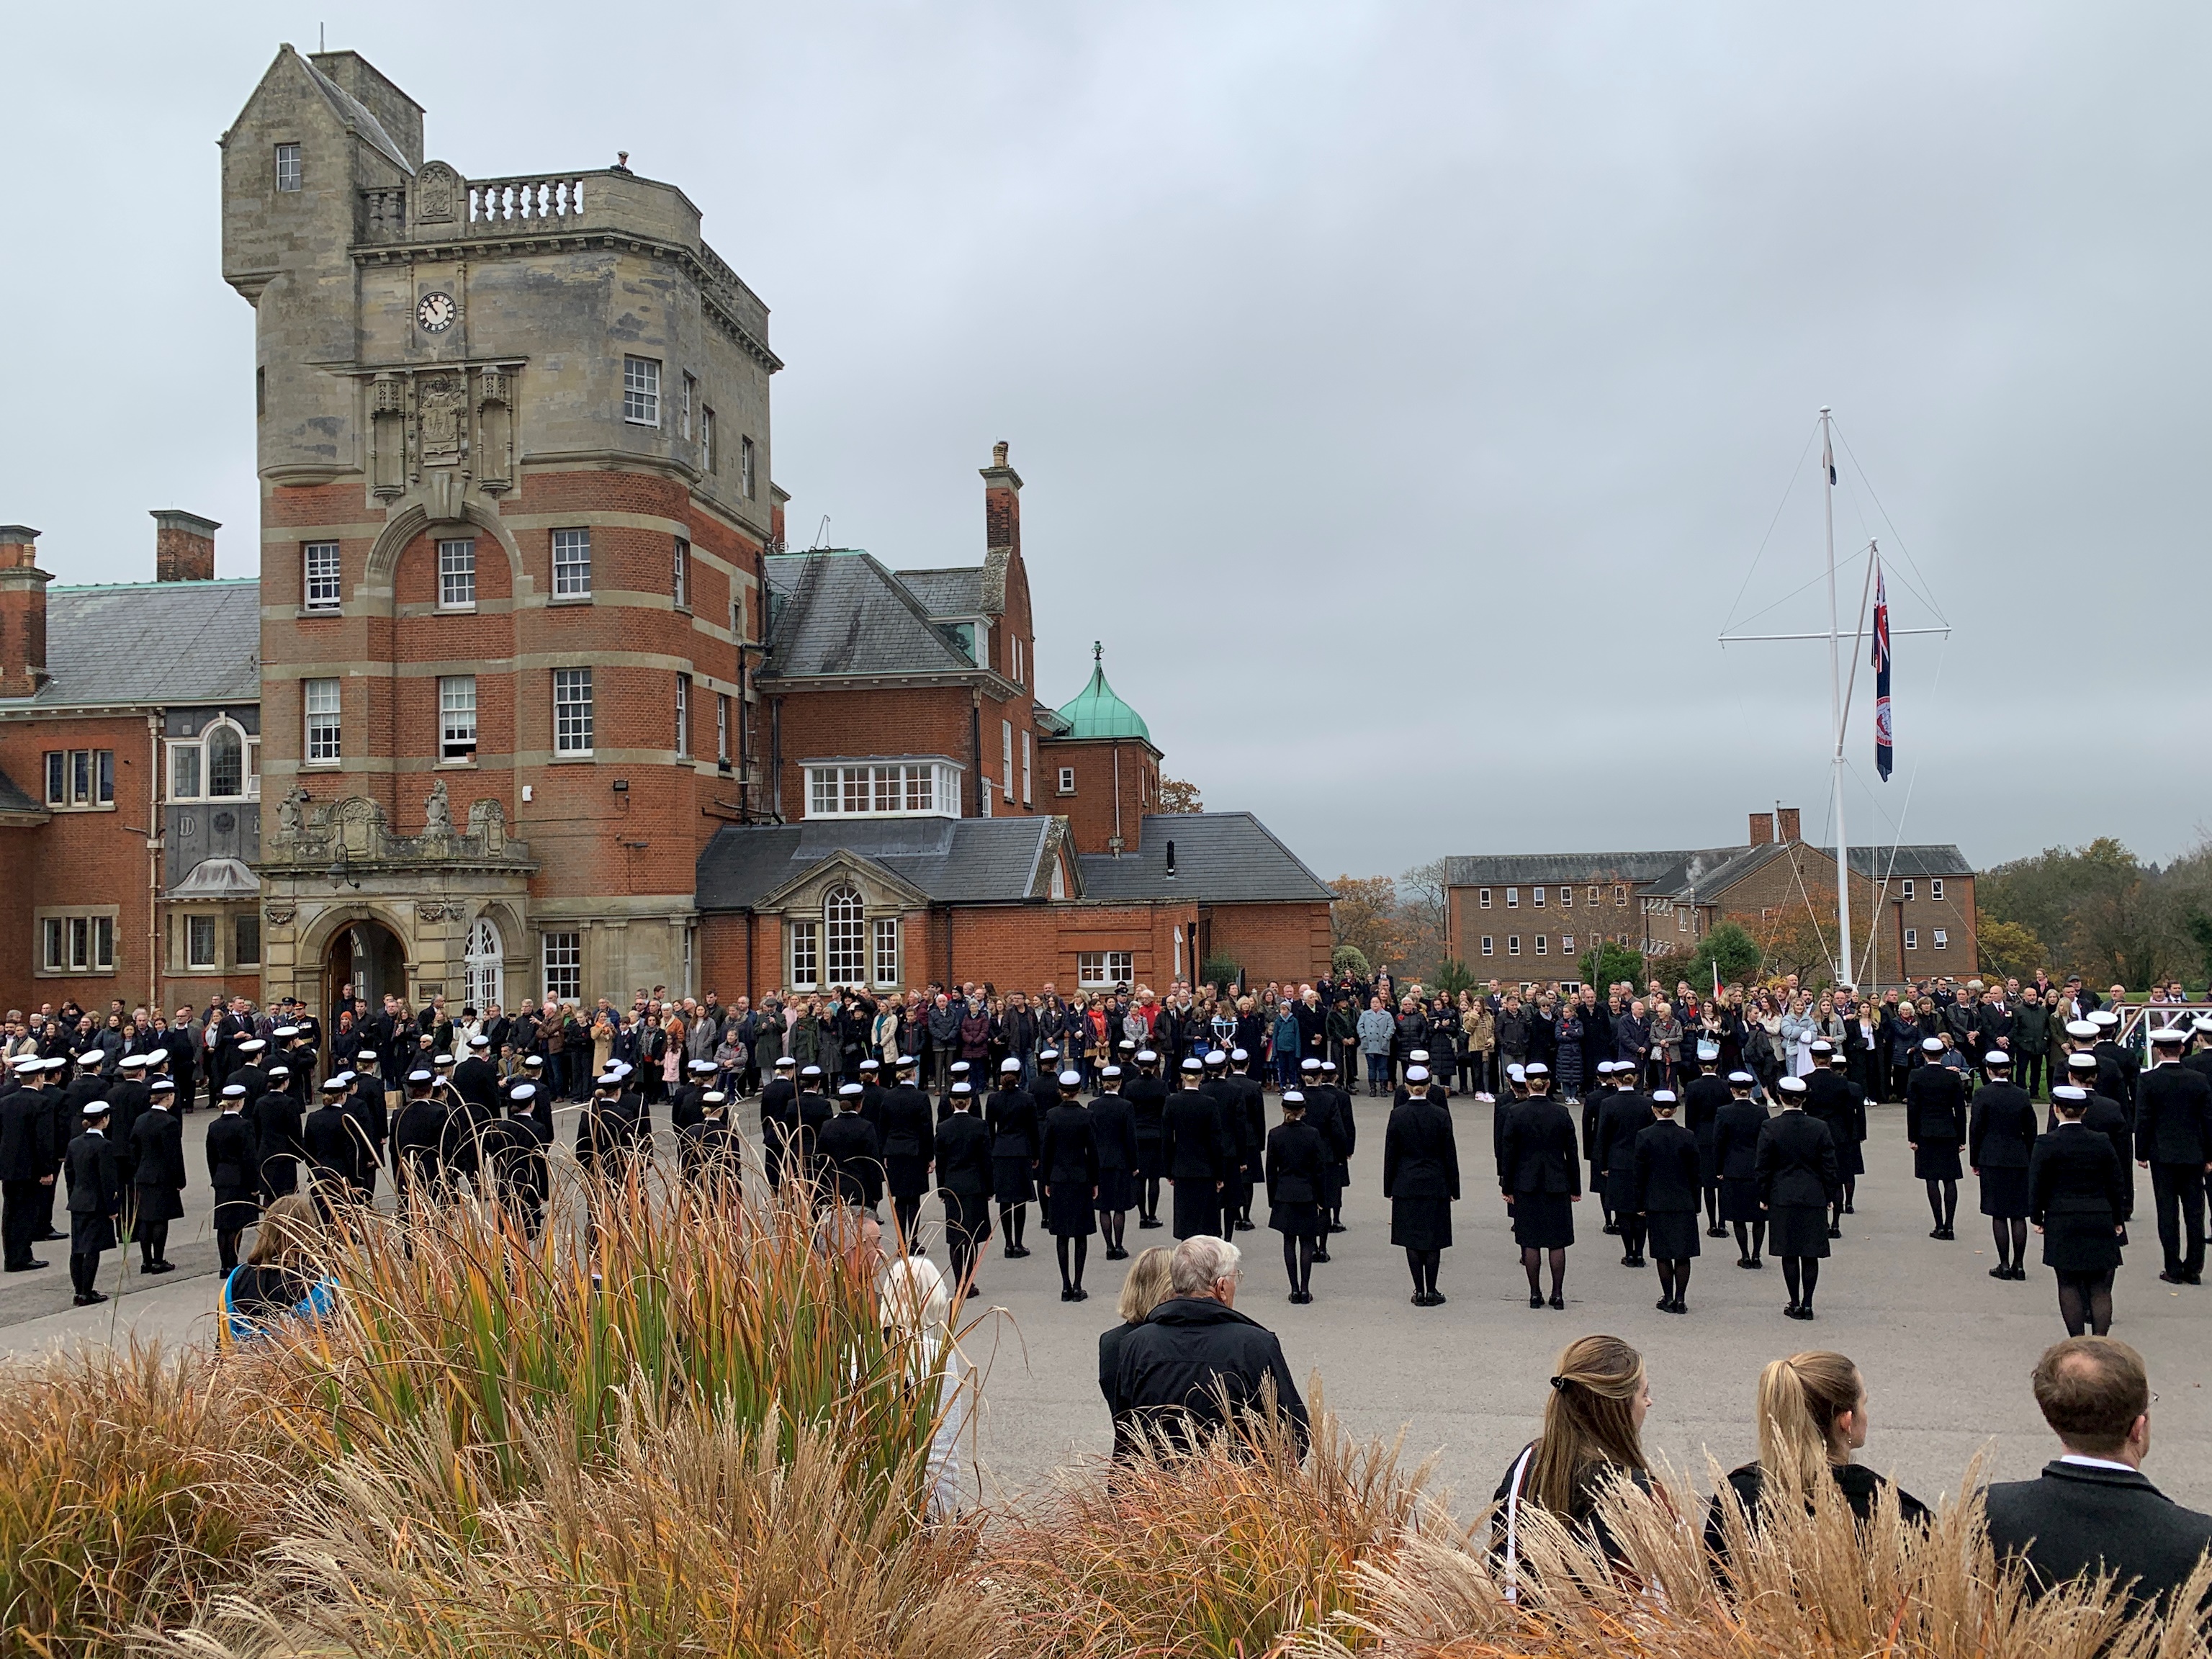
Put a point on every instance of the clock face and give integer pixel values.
(436, 313)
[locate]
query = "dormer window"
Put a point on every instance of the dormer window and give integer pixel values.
(223, 762)
(883, 789)
(288, 169)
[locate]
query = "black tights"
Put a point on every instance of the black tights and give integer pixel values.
(1111, 1226)
(1674, 1277)
(1424, 1265)
(1297, 1260)
(1750, 1238)
(1011, 1218)
(1532, 1261)
(2011, 1235)
(1799, 1274)
(960, 1250)
(1148, 1198)
(907, 1213)
(152, 1242)
(1633, 1228)
(1072, 1281)
(2084, 1302)
(1943, 1202)
(227, 1248)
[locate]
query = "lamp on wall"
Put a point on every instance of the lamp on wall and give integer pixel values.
(340, 871)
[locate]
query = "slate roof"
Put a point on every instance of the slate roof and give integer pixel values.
(217, 879)
(947, 592)
(1221, 857)
(839, 611)
(356, 115)
(1705, 872)
(13, 800)
(954, 860)
(1489, 869)
(167, 643)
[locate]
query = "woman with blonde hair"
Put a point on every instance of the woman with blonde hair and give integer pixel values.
(916, 1310)
(278, 1278)
(1593, 1431)
(1143, 1288)
(1812, 1417)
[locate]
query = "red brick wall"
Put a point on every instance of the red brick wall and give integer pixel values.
(1270, 941)
(1089, 809)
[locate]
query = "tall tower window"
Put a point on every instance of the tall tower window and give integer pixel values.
(456, 717)
(745, 467)
(321, 697)
(642, 391)
(680, 584)
(457, 574)
(321, 559)
(572, 711)
(288, 167)
(571, 563)
(707, 457)
(690, 397)
(841, 911)
(683, 717)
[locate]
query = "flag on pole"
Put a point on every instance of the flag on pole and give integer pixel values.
(1883, 755)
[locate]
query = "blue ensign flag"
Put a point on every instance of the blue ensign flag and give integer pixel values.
(1884, 756)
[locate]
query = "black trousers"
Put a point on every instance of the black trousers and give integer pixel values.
(2178, 1189)
(19, 1219)
(2028, 1073)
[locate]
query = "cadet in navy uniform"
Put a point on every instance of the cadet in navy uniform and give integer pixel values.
(367, 1102)
(684, 1100)
(1664, 1162)
(1420, 1178)
(1735, 1155)
(852, 1156)
(419, 1135)
(1624, 1114)
(1541, 1178)
(779, 1110)
(1701, 1109)
(2173, 1141)
(964, 1182)
(1342, 1134)
(1067, 1163)
(909, 1132)
(1936, 1126)
(1148, 1100)
(1798, 1182)
(1114, 1132)
(603, 1140)
(1236, 1195)
(1196, 1150)
(1295, 1160)
(1011, 1116)
(1833, 1097)
(233, 1160)
(331, 1145)
(95, 1199)
(515, 1148)
(277, 1120)
(158, 1181)
(26, 1159)
(706, 1147)
(1594, 1101)
(814, 1112)
(957, 1073)
(2076, 1192)
(2000, 1136)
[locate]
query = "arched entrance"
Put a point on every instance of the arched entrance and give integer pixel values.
(368, 956)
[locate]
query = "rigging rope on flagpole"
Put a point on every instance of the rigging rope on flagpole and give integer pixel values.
(1779, 507)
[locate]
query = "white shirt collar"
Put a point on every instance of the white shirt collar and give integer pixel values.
(2099, 1463)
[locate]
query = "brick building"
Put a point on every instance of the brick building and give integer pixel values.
(1531, 915)
(129, 779)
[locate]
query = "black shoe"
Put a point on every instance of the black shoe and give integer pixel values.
(1665, 1304)
(1016, 1250)
(89, 1298)
(25, 1266)
(2173, 1279)
(2193, 1279)
(1559, 1301)
(1628, 1262)
(1319, 1255)
(1716, 1232)
(159, 1268)
(2001, 1271)
(1744, 1262)
(1790, 1312)
(1435, 1298)
(1835, 1232)
(1420, 1299)
(1935, 1232)
(1079, 1295)
(1613, 1229)
(1336, 1226)
(1535, 1299)
(1066, 1295)
(1638, 1260)
(2020, 1272)
(1145, 1224)
(49, 1236)
(1679, 1307)
(1850, 1209)
(1802, 1313)
(1244, 1226)
(1758, 1261)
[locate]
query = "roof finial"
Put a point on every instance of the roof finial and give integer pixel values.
(1097, 651)
(999, 452)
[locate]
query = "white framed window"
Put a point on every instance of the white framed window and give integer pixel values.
(1101, 970)
(1482, 898)
(183, 771)
(1567, 945)
(562, 956)
(457, 574)
(1513, 898)
(481, 963)
(683, 717)
(642, 391)
(1912, 939)
(690, 397)
(1936, 888)
(883, 789)
(319, 576)
(1513, 944)
(1620, 895)
(288, 169)
(80, 778)
(1006, 758)
(709, 460)
(1057, 888)
(885, 967)
(246, 939)
(1566, 898)
(76, 941)
(1018, 659)
(1067, 780)
(1489, 945)
(1543, 945)
(1591, 897)
(225, 761)
(805, 946)
(679, 584)
(320, 700)
(745, 467)
(456, 717)
(571, 563)
(200, 942)
(721, 729)
(572, 711)
(1682, 920)
(1536, 897)
(984, 792)
(1026, 798)
(1908, 889)
(1942, 938)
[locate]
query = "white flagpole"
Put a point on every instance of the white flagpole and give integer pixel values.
(1836, 714)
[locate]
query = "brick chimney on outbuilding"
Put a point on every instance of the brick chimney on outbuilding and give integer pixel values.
(1002, 503)
(183, 546)
(1762, 829)
(23, 612)
(1786, 822)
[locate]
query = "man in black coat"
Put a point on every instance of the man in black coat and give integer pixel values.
(1148, 1102)
(1197, 1151)
(909, 1136)
(27, 1161)
(852, 1153)
(779, 1110)
(1196, 1354)
(158, 1179)
(1420, 1178)
(1622, 1115)
(2091, 1510)
(234, 1162)
(1237, 1196)
(963, 1181)
(2174, 1141)
(95, 1199)
(422, 1137)
(90, 1083)
(333, 1148)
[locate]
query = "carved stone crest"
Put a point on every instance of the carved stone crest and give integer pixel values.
(437, 812)
(440, 403)
(437, 188)
(279, 915)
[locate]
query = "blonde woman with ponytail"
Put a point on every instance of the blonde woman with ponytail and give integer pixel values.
(1812, 1417)
(1593, 1429)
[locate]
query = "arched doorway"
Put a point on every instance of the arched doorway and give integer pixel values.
(368, 956)
(481, 966)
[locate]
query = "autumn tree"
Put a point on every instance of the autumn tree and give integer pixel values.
(1367, 916)
(1178, 796)
(2009, 949)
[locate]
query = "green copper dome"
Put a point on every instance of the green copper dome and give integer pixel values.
(1096, 712)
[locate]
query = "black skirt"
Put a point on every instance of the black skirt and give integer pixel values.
(1117, 1190)
(1672, 1235)
(2080, 1243)
(157, 1203)
(1543, 1221)
(2004, 1193)
(91, 1234)
(1797, 1229)
(236, 1208)
(906, 1175)
(1620, 1187)
(1709, 1172)
(1197, 1207)
(1297, 1219)
(1152, 1156)
(280, 1177)
(967, 1215)
(1012, 1182)
(1421, 1224)
(1068, 1212)
(1936, 1163)
(1851, 1158)
(1740, 1199)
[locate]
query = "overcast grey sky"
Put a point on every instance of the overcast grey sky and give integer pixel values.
(1403, 392)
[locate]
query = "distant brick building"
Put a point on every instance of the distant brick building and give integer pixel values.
(1530, 916)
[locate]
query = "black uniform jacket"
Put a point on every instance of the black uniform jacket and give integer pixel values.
(1797, 1163)
(1297, 1154)
(1935, 1107)
(1419, 1159)
(1665, 1161)
(1735, 1139)
(963, 1155)
(1537, 1152)
(2074, 1172)
(1113, 1128)
(2173, 1116)
(855, 1157)
(95, 1175)
(333, 1148)
(26, 1133)
(2001, 1132)
(1011, 1116)
(2076, 1519)
(158, 1138)
(1625, 1115)
(908, 1129)
(1195, 1146)
(1701, 1105)
(1069, 1156)
(1837, 1102)
(234, 1154)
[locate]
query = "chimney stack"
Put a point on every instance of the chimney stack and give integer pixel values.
(1788, 823)
(23, 612)
(183, 546)
(1002, 503)
(1762, 829)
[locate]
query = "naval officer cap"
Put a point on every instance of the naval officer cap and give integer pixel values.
(95, 1107)
(2080, 1029)
(523, 1093)
(960, 1067)
(233, 1092)
(1147, 1057)
(479, 1041)
(703, 1068)
(1309, 1064)
(1663, 1097)
(285, 1033)
(161, 1086)
(1416, 1073)
(276, 1072)
(1823, 1048)
(2067, 1094)
(1535, 1068)
(1418, 1057)
(1111, 1073)
(1793, 1085)
(1238, 1057)
(809, 1070)
(714, 1097)
(1194, 1064)
(907, 1062)
(2104, 1020)
(1931, 1045)
(1518, 1072)
(2085, 1064)
(251, 1046)
(1292, 1097)
(1607, 1068)
(1742, 1080)
(2201, 1025)
(421, 1074)
(1996, 1057)
(366, 1057)
(1217, 1057)
(865, 1065)
(345, 1077)
(128, 1062)
(784, 1062)
(533, 1062)
(2169, 1037)
(964, 1090)
(1071, 1079)
(606, 1080)
(1009, 1066)
(1048, 1054)
(849, 1091)
(1327, 1067)
(1128, 1045)
(335, 1085)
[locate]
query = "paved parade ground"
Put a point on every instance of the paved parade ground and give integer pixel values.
(1946, 1350)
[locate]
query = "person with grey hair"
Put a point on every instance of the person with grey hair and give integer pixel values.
(1196, 1364)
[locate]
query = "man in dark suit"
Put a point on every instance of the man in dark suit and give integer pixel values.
(26, 1158)
(2091, 1510)
(95, 1199)
(1196, 1148)
(2174, 1141)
